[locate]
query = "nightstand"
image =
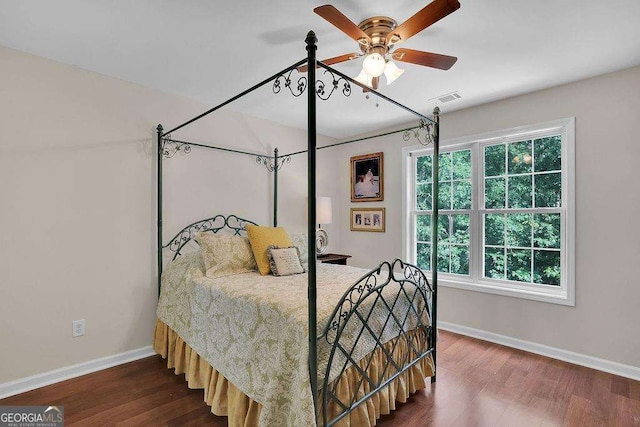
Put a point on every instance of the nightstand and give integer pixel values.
(334, 259)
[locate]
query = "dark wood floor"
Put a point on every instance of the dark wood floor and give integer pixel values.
(479, 384)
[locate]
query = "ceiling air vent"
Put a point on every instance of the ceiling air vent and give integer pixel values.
(447, 97)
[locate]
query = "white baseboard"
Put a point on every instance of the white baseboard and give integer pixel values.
(615, 368)
(40, 380)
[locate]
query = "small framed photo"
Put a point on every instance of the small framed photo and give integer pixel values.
(367, 178)
(367, 219)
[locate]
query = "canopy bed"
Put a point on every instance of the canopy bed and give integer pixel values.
(333, 345)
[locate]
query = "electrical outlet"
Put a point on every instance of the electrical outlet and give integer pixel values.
(78, 328)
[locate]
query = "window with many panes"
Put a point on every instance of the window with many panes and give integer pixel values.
(505, 211)
(454, 215)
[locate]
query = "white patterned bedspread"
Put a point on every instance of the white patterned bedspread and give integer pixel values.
(254, 330)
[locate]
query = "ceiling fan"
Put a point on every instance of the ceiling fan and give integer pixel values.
(379, 34)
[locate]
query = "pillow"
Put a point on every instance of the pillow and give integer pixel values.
(301, 242)
(225, 255)
(263, 237)
(284, 261)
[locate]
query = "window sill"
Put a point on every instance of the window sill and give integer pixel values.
(561, 298)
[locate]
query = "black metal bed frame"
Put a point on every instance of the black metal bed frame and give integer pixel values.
(368, 293)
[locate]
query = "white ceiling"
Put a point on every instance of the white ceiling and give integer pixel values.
(212, 50)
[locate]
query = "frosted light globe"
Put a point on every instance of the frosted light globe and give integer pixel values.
(374, 64)
(364, 78)
(392, 72)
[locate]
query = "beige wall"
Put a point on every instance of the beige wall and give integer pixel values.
(605, 319)
(77, 216)
(77, 194)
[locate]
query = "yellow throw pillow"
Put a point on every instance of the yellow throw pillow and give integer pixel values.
(263, 237)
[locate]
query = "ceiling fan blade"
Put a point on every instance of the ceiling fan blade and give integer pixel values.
(428, 59)
(344, 24)
(334, 60)
(428, 15)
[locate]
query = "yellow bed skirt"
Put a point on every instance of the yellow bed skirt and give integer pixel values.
(227, 400)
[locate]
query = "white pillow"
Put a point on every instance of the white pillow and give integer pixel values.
(284, 261)
(301, 242)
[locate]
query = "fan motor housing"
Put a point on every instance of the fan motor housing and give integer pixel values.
(377, 28)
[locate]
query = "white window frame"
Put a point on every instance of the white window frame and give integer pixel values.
(563, 294)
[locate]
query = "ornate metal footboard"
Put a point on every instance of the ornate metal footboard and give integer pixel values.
(387, 309)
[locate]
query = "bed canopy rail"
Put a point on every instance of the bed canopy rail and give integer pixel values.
(426, 132)
(373, 91)
(422, 132)
(238, 96)
(425, 123)
(172, 146)
(408, 133)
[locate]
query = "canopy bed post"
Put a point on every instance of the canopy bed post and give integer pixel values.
(434, 233)
(159, 130)
(275, 188)
(311, 41)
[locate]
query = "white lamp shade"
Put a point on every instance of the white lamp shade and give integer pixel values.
(323, 210)
(374, 64)
(392, 72)
(364, 78)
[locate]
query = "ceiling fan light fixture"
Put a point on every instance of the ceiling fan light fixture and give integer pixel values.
(374, 64)
(376, 36)
(364, 78)
(392, 71)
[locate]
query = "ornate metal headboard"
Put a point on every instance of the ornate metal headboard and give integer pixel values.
(214, 224)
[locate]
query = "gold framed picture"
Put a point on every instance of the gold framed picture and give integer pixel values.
(367, 183)
(367, 219)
